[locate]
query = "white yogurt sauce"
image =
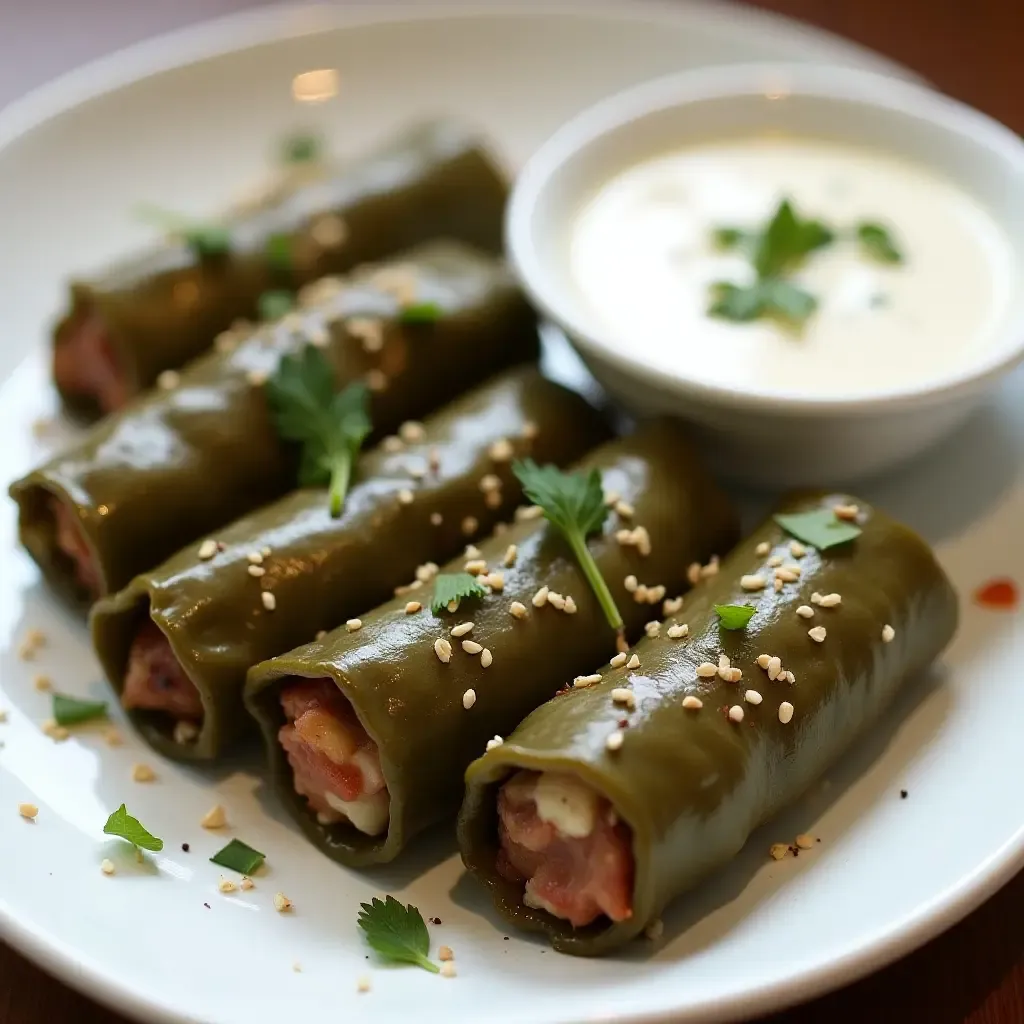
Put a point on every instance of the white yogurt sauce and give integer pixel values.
(642, 255)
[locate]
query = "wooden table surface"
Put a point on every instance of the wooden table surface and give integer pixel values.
(974, 974)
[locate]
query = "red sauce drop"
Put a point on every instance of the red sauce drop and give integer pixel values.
(1001, 594)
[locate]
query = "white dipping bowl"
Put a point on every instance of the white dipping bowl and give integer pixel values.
(757, 436)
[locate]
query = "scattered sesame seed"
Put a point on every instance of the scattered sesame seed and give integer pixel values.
(846, 511)
(763, 548)
(654, 931)
(363, 983)
(445, 953)
(556, 600)
(405, 496)
(624, 509)
(775, 561)
(107, 866)
(501, 450)
(540, 598)
(612, 498)
(486, 658)
(28, 811)
(470, 525)
(705, 670)
(815, 598)
(281, 903)
(778, 585)
(671, 606)
(640, 594)
(752, 697)
(692, 703)
(57, 733)
(530, 430)
(805, 611)
(489, 482)
(226, 341)
(247, 883)
(443, 650)
(888, 634)
(320, 634)
(786, 575)
(517, 610)
(731, 675)
(581, 682)
(630, 583)
(376, 380)
(436, 519)
(472, 647)
(796, 549)
(411, 432)
(269, 600)
(427, 571)
(677, 630)
(614, 740)
(817, 634)
(624, 537)
(830, 600)
(453, 606)
(112, 737)
(42, 683)
(652, 628)
(257, 378)
(642, 541)
(225, 885)
(469, 699)
(778, 850)
(623, 695)
(785, 712)
(448, 969)
(257, 570)
(367, 330)
(215, 817)
(143, 773)
(711, 569)
(752, 582)
(655, 594)
(168, 380)
(352, 625)
(255, 557)
(736, 714)
(570, 605)
(412, 607)
(207, 549)
(805, 842)
(764, 660)
(392, 444)
(790, 678)
(723, 662)
(618, 660)
(475, 566)
(634, 661)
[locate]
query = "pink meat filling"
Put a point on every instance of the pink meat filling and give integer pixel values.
(155, 680)
(574, 877)
(71, 542)
(335, 764)
(85, 364)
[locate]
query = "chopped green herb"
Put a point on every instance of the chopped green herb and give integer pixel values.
(206, 240)
(399, 934)
(735, 616)
(124, 826)
(275, 304)
(278, 252)
(237, 856)
(770, 298)
(735, 238)
(877, 243)
(420, 313)
(454, 586)
(72, 711)
(574, 502)
(821, 528)
(331, 427)
(302, 148)
(787, 241)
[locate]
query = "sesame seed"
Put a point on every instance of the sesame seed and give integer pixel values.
(706, 670)
(112, 737)
(494, 743)
(269, 600)
(475, 566)
(711, 569)
(247, 883)
(652, 628)
(654, 931)
(805, 842)
(207, 550)
(642, 541)
(655, 594)
(405, 496)
(57, 733)
(445, 953)
(281, 903)
(469, 699)
(453, 606)
(525, 513)
(42, 683)
(817, 634)
(501, 450)
(805, 611)
(556, 600)
(623, 695)
(775, 561)
(634, 661)
(785, 712)
(692, 703)
(846, 511)
(830, 600)
(368, 331)
(815, 598)
(317, 335)
(329, 231)
(763, 548)
(427, 571)
(540, 598)
(789, 677)
(581, 682)
(489, 482)
(630, 583)
(376, 380)
(412, 607)
(614, 740)
(752, 582)
(671, 606)
(612, 498)
(257, 570)
(392, 444)
(107, 866)
(352, 625)
(470, 525)
(752, 697)
(411, 432)
(888, 634)
(472, 647)
(778, 850)
(796, 549)
(570, 605)
(168, 380)
(778, 585)
(618, 660)
(530, 430)
(677, 630)
(215, 817)
(257, 378)
(363, 983)
(624, 537)
(786, 575)
(448, 970)
(443, 650)
(774, 668)
(510, 556)
(436, 519)
(143, 773)
(225, 885)
(763, 660)
(255, 557)
(624, 509)
(736, 714)
(517, 609)
(28, 811)
(723, 662)
(226, 341)
(640, 594)
(486, 658)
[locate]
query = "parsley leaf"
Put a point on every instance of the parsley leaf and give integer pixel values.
(302, 148)
(124, 826)
(574, 502)
(771, 298)
(420, 313)
(274, 304)
(240, 857)
(735, 238)
(206, 240)
(787, 240)
(278, 252)
(397, 933)
(331, 427)
(736, 302)
(72, 711)
(454, 586)
(821, 528)
(735, 616)
(877, 243)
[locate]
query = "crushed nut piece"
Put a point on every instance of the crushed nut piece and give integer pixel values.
(634, 661)
(143, 773)
(618, 660)
(614, 740)
(517, 609)
(269, 600)
(28, 811)
(785, 712)
(817, 634)
(736, 714)
(353, 625)
(107, 866)
(677, 630)
(207, 549)
(443, 650)
(705, 670)
(753, 581)
(671, 606)
(888, 634)
(281, 903)
(215, 817)
(469, 699)
(692, 703)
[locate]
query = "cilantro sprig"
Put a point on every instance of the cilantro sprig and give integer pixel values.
(124, 826)
(302, 148)
(331, 426)
(206, 239)
(574, 502)
(454, 586)
(877, 243)
(72, 711)
(240, 857)
(821, 528)
(734, 616)
(398, 934)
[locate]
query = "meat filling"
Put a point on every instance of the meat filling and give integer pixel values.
(70, 541)
(566, 843)
(155, 680)
(335, 764)
(85, 363)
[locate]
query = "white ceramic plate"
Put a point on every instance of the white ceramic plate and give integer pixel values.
(181, 121)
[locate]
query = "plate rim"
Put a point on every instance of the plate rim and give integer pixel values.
(240, 30)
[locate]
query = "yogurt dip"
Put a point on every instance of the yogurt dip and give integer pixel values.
(642, 255)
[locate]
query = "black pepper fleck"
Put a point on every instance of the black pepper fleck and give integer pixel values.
(184, 847)
(207, 905)
(903, 794)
